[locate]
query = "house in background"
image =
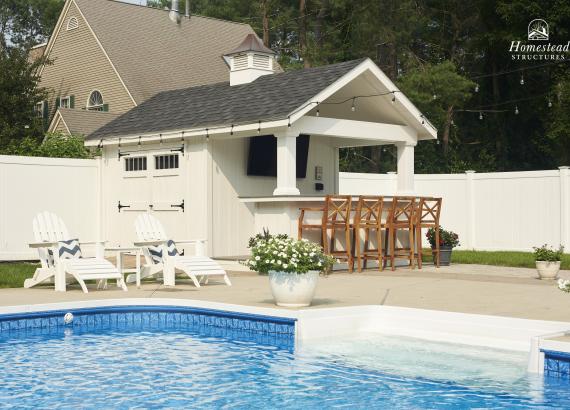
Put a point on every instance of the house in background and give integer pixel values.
(108, 57)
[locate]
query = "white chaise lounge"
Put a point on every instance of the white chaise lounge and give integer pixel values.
(161, 255)
(60, 257)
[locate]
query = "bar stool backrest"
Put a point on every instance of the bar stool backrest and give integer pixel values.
(369, 211)
(429, 210)
(337, 210)
(403, 210)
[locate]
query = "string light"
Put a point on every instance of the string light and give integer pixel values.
(353, 108)
(259, 127)
(435, 96)
(549, 103)
(393, 98)
(232, 130)
(289, 122)
(423, 120)
(476, 88)
(522, 79)
(207, 135)
(318, 113)
(139, 144)
(516, 110)
(160, 139)
(100, 144)
(480, 115)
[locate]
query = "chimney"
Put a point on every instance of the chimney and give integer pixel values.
(187, 15)
(174, 15)
(249, 61)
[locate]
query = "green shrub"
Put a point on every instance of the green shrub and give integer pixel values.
(54, 145)
(548, 254)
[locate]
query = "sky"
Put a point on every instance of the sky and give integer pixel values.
(142, 2)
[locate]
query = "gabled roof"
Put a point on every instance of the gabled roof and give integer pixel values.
(152, 53)
(270, 97)
(82, 122)
(251, 43)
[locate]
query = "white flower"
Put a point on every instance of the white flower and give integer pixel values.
(257, 257)
(253, 263)
(284, 266)
(312, 254)
(274, 252)
(278, 262)
(320, 263)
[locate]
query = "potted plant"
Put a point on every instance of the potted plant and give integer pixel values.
(293, 267)
(548, 261)
(447, 241)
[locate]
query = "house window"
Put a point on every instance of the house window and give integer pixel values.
(39, 109)
(65, 102)
(72, 23)
(135, 164)
(95, 102)
(169, 161)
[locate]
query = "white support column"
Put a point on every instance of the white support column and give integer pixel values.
(286, 164)
(405, 168)
(565, 207)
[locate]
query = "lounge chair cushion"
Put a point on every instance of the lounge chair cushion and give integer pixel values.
(156, 251)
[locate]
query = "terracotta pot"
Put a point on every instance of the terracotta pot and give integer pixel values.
(293, 289)
(547, 270)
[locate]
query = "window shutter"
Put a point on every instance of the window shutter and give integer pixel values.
(57, 103)
(106, 107)
(45, 112)
(72, 101)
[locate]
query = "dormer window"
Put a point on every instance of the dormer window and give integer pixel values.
(95, 102)
(72, 23)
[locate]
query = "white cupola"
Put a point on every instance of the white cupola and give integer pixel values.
(250, 60)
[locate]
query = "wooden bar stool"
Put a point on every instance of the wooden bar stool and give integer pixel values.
(400, 218)
(337, 217)
(368, 219)
(427, 216)
(303, 226)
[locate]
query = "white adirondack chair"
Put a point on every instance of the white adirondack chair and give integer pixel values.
(151, 233)
(48, 230)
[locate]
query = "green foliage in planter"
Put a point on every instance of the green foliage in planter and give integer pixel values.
(446, 238)
(546, 253)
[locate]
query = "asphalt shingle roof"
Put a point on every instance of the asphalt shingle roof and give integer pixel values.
(154, 54)
(270, 97)
(83, 122)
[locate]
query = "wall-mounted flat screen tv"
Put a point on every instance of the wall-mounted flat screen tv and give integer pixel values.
(262, 157)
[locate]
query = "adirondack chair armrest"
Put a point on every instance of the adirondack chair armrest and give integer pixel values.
(36, 245)
(150, 243)
(192, 241)
(93, 243)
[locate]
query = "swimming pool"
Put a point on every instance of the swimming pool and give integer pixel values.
(179, 358)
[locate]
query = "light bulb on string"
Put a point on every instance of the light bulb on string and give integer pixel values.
(259, 127)
(393, 98)
(353, 108)
(318, 113)
(289, 122)
(232, 130)
(549, 103)
(516, 110)
(522, 80)
(476, 88)
(435, 96)
(160, 135)
(480, 115)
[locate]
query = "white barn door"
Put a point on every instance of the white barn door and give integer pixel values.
(152, 182)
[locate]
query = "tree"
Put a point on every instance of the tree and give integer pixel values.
(19, 94)
(55, 145)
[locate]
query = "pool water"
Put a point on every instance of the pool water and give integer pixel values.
(211, 368)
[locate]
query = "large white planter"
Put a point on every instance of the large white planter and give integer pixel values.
(293, 289)
(547, 270)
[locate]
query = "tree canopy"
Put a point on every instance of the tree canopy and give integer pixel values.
(451, 57)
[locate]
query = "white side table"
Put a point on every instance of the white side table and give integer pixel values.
(120, 251)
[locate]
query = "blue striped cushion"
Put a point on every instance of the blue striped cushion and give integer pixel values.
(69, 249)
(156, 251)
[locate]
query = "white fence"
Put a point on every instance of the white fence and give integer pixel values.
(506, 211)
(28, 185)
(490, 211)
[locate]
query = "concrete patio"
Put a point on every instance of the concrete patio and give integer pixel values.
(490, 290)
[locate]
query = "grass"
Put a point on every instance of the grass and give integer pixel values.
(501, 258)
(13, 274)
